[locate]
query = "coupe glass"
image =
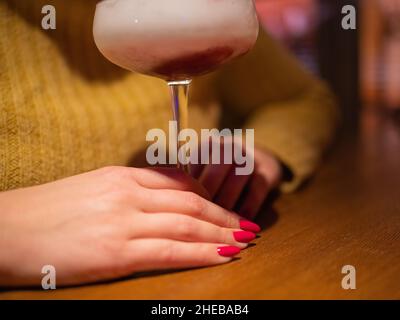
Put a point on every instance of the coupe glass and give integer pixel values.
(175, 40)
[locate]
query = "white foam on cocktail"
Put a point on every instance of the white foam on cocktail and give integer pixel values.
(140, 34)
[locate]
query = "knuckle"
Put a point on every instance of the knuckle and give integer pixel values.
(186, 228)
(169, 253)
(116, 173)
(231, 220)
(119, 196)
(196, 204)
(116, 188)
(104, 240)
(116, 198)
(226, 236)
(114, 254)
(110, 249)
(110, 170)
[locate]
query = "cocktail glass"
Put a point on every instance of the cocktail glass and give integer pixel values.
(175, 40)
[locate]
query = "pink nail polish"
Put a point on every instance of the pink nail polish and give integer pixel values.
(249, 226)
(244, 236)
(228, 251)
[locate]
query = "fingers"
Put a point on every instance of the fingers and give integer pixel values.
(231, 189)
(168, 178)
(213, 177)
(258, 189)
(184, 228)
(156, 254)
(191, 204)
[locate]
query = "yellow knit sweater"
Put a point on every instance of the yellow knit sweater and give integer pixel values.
(64, 109)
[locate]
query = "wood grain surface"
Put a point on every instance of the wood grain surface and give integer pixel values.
(348, 214)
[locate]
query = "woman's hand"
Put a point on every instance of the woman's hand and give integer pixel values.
(111, 223)
(243, 193)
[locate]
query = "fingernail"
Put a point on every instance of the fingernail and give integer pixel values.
(249, 226)
(228, 251)
(244, 236)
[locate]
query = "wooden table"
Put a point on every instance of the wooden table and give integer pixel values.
(348, 215)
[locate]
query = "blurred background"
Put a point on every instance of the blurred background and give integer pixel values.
(362, 65)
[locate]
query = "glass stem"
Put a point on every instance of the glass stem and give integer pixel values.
(179, 91)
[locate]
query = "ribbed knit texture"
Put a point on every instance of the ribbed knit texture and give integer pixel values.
(65, 110)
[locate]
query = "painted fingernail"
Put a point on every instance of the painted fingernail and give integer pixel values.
(244, 236)
(228, 251)
(249, 226)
